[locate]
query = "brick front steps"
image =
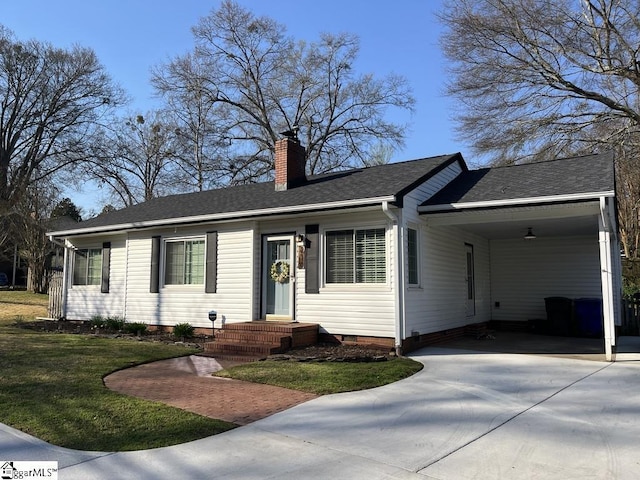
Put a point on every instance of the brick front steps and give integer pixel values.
(259, 339)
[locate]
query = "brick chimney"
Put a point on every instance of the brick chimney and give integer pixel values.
(289, 163)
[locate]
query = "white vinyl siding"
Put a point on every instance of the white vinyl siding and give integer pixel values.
(441, 303)
(87, 266)
(190, 303)
(431, 187)
(85, 301)
(365, 309)
(524, 273)
(438, 302)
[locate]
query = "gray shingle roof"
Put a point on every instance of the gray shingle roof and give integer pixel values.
(394, 179)
(63, 223)
(578, 175)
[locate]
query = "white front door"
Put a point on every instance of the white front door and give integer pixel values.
(471, 283)
(278, 277)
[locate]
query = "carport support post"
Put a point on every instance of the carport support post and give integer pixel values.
(604, 237)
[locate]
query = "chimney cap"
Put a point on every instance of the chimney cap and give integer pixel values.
(293, 133)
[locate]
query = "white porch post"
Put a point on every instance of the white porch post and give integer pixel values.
(604, 238)
(67, 275)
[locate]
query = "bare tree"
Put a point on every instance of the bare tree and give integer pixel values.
(201, 143)
(135, 158)
(260, 82)
(51, 101)
(29, 223)
(541, 72)
(628, 191)
(539, 79)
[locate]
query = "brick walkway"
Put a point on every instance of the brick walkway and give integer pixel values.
(187, 383)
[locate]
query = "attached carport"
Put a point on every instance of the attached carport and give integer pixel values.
(569, 207)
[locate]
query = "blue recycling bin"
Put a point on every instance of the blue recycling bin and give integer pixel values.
(589, 317)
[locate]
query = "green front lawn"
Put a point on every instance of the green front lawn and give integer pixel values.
(323, 378)
(51, 385)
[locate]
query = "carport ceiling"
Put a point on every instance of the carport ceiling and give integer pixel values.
(541, 228)
(545, 221)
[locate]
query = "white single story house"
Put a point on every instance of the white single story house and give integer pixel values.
(396, 254)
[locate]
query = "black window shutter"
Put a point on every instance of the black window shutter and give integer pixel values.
(155, 265)
(212, 262)
(106, 263)
(312, 259)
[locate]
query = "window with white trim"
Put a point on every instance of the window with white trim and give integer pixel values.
(87, 266)
(184, 262)
(413, 257)
(356, 256)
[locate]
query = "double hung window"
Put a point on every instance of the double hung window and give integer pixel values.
(356, 256)
(184, 262)
(87, 266)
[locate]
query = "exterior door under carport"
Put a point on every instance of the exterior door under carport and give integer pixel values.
(571, 236)
(470, 280)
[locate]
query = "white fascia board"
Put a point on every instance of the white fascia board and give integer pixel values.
(514, 213)
(515, 201)
(226, 216)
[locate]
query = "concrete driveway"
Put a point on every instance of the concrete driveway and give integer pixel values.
(466, 415)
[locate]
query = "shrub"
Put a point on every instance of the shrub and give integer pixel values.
(630, 288)
(136, 328)
(115, 323)
(107, 323)
(97, 321)
(183, 330)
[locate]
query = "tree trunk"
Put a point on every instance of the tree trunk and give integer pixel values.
(36, 278)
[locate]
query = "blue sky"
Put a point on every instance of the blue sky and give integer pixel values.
(131, 36)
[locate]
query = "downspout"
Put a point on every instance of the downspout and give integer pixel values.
(397, 276)
(125, 300)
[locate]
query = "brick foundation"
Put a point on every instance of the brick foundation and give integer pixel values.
(169, 329)
(305, 337)
(382, 343)
(418, 341)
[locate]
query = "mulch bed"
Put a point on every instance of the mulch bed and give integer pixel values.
(321, 352)
(85, 328)
(330, 352)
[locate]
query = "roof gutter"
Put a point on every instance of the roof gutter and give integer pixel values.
(449, 207)
(225, 216)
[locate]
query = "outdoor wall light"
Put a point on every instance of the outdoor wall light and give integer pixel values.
(530, 235)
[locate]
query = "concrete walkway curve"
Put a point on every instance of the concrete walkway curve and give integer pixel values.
(466, 415)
